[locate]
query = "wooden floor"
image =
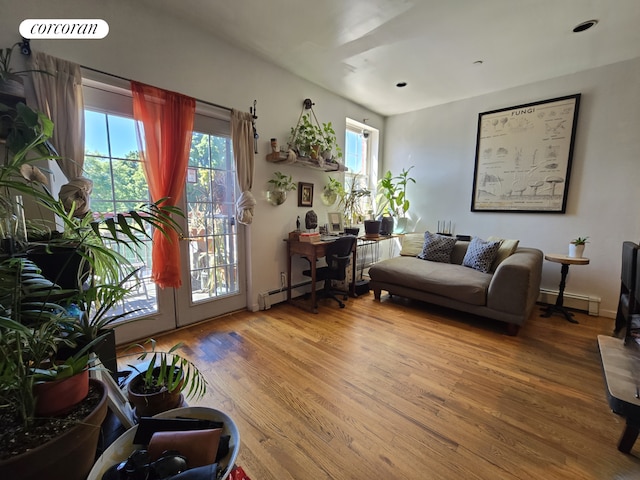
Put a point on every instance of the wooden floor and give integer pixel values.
(403, 390)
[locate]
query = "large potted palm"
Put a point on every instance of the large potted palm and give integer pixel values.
(41, 339)
(37, 442)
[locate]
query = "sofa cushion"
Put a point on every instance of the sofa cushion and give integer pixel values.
(444, 279)
(507, 247)
(480, 254)
(437, 248)
(412, 244)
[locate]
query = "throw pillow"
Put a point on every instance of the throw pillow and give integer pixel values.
(480, 254)
(437, 248)
(507, 247)
(412, 244)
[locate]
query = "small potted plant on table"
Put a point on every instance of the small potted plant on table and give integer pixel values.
(576, 247)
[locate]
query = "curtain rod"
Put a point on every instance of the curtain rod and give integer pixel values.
(129, 80)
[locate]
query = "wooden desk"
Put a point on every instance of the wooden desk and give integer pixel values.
(621, 369)
(313, 251)
(559, 306)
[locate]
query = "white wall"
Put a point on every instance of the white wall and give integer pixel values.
(604, 193)
(159, 50)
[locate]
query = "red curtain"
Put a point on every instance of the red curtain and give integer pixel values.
(164, 125)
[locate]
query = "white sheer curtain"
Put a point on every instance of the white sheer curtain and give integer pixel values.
(59, 95)
(242, 138)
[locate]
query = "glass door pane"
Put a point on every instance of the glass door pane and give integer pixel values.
(212, 280)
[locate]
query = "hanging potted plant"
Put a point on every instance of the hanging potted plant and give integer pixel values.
(330, 143)
(306, 138)
(280, 185)
(159, 387)
(11, 83)
(331, 191)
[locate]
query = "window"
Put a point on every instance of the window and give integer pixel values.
(361, 157)
(113, 163)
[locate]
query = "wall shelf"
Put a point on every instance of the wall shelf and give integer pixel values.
(318, 164)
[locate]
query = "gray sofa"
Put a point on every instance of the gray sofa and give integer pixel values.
(507, 294)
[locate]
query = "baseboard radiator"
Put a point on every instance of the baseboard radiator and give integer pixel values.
(272, 297)
(586, 303)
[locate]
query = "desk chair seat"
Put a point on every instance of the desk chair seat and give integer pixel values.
(627, 303)
(338, 258)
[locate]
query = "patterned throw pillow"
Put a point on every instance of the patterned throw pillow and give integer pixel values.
(437, 248)
(480, 254)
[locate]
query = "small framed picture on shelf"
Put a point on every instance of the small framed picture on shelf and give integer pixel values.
(335, 222)
(305, 194)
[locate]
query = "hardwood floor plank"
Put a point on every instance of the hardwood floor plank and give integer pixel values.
(401, 389)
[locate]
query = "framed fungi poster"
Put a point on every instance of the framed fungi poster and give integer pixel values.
(523, 157)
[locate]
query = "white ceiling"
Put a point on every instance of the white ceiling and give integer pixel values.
(360, 49)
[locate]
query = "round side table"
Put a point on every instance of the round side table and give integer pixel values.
(559, 307)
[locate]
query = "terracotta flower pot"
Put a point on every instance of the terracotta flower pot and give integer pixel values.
(149, 404)
(67, 457)
(60, 396)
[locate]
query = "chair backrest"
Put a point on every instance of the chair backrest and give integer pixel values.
(629, 266)
(634, 295)
(338, 254)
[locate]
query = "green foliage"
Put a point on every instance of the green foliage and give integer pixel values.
(34, 325)
(282, 182)
(95, 303)
(580, 240)
(351, 201)
(167, 370)
(334, 186)
(32, 328)
(392, 193)
(311, 139)
(306, 136)
(330, 142)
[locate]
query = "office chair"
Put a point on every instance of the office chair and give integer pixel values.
(627, 304)
(338, 258)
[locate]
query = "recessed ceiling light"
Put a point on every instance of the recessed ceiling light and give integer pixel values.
(581, 27)
(401, 84)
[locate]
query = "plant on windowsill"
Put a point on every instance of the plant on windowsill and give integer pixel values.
(280, 184)
(352, 199)
(392, 199)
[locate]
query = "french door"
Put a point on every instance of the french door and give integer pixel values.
(213, 283)
(212, 250)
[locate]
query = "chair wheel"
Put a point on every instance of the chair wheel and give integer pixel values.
(342, 305)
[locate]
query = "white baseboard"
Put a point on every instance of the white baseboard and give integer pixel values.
(585, 303)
